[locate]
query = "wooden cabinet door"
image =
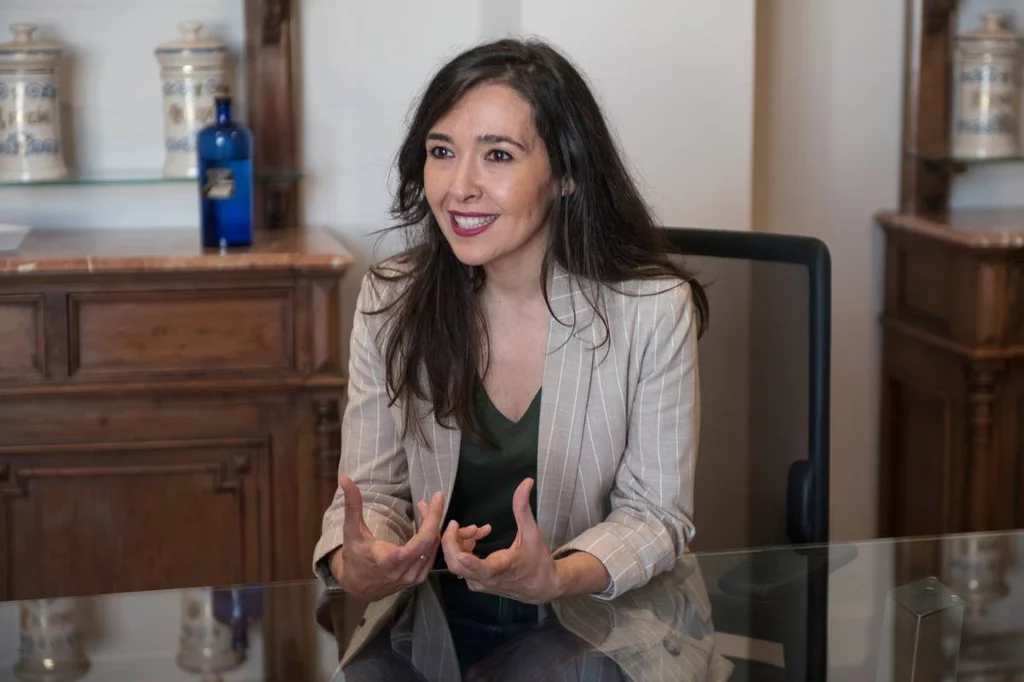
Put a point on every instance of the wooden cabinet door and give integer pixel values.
(1012, 439)
(925, 460)
(86, 518)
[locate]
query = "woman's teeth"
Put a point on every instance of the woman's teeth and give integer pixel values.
(467, 223)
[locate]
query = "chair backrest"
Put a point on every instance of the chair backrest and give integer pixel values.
(763, 467)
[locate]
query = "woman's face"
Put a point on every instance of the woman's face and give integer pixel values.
(488, 180)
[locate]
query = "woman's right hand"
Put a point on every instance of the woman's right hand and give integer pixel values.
(372, 569)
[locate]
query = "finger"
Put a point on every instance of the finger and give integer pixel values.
(414, 567)
(483, 532)
(521, 509)
(434, 516)
(425, 569)
(354, 527)
(470, 535)
(500, 562)
(430, 527)
(474, 532)
(475, 568)
(450, 545)
(419, 544)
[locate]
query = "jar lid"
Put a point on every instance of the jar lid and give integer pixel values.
(25, 49)
(191, 42)
(993, 27)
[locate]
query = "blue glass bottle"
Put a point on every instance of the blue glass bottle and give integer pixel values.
(225, 179)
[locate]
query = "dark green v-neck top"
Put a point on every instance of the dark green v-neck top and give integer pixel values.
(484, 484)
(487, 478)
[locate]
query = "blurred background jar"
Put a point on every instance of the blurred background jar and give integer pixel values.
(191, 70)
(207, 646)
(988, 92)
(51, 649)
(30, 145)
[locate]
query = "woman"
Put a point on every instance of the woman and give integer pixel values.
(535, 330)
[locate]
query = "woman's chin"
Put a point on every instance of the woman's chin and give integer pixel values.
(470, 256)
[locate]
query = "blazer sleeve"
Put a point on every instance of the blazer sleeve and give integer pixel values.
(650, 523)
(372, 454)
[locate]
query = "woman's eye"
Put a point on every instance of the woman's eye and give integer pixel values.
(440, 152)
(499, 155)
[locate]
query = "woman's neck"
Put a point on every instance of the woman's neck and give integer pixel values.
(517, 286)
(516, 277)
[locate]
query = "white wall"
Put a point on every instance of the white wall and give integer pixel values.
(827, 142)
(676, 78)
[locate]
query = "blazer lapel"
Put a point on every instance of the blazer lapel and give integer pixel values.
(438, 461)
(568, 370)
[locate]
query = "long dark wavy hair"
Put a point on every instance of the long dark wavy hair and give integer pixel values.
(602, 231)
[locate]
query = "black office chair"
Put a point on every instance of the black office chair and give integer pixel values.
(763, 467)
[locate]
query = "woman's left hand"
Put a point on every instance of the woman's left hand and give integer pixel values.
(525, 571)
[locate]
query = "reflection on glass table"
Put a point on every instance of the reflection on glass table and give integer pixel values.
(937, 608)
(923, 609)
(660, 631)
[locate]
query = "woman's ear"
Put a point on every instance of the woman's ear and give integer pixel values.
(568, 186)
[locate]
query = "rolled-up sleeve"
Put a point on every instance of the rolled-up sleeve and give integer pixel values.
(650, 523)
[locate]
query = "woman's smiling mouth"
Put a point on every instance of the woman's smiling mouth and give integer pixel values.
(471, 224)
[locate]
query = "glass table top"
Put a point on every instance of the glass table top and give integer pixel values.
(953, 606)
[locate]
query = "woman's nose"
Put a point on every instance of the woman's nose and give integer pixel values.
(465, 185)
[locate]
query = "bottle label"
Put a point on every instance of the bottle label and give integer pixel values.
(220, 183)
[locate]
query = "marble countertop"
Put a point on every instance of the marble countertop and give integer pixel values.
(106, 251)
(975, 228)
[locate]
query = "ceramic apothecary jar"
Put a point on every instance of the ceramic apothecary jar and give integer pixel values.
(191, 69)
(988, 91)
(30, 146)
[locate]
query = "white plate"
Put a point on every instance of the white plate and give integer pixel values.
(11, 236)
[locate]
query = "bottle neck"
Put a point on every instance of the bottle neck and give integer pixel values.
(223, 111)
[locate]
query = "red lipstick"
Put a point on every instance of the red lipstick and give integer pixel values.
(467, 224)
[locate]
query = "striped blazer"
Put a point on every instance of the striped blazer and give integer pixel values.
(617, 447)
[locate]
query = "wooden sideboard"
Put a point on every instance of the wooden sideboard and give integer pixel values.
(168, 415)
(952, 373)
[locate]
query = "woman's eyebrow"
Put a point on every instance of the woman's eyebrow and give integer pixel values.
(486, 138)
(491, 138)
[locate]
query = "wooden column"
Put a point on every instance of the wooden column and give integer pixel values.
(271, 42)
(931, 28)
(984, 469)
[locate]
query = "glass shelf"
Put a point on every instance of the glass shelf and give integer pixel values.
(946, 160)
(141, 177)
